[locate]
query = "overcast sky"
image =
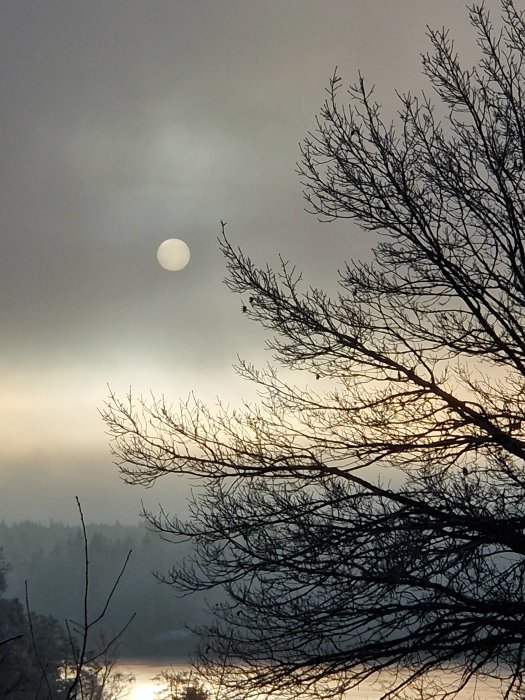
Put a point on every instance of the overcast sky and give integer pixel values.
(126, 122)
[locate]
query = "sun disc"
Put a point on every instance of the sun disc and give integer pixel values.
(173, 254)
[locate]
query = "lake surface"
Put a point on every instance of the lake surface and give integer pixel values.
(145, 686)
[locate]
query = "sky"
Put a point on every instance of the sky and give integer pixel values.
(127, 122)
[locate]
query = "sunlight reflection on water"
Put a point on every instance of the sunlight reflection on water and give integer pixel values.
(145, 687)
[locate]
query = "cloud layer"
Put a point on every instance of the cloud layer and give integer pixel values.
(126, 123)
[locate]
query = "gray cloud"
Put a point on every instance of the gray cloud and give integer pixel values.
(127, 122)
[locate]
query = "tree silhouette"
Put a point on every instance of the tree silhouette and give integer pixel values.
(22, 675)
(41, 659)
(332, 576)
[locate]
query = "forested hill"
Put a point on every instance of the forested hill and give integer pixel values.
(50, 558)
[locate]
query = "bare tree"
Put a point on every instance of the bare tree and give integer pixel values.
(100, 678)
(417, 367)
(82, 668)
(89, 673)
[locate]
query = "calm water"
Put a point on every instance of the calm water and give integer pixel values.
(145, 687)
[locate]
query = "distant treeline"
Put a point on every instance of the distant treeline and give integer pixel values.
(50, 558)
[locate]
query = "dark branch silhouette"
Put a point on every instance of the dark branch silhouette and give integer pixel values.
(85, 662)
(11, 639)
(333, 577)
